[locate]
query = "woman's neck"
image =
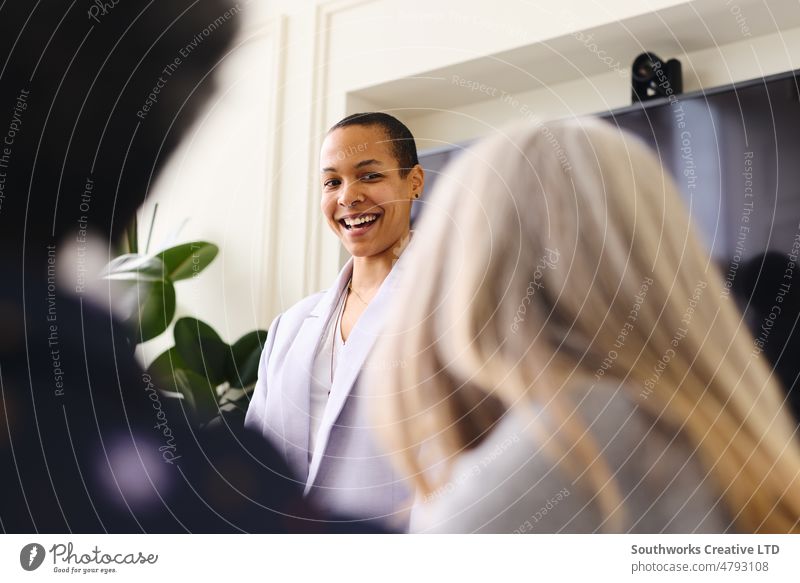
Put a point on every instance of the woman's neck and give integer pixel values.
(370, 272)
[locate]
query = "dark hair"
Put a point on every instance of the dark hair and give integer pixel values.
(97, 100)
(402, 141)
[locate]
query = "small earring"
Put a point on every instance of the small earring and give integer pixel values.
(416, 195)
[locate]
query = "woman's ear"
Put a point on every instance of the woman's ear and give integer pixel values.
(417, 180)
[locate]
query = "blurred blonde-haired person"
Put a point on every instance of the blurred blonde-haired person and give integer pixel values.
(571, 361)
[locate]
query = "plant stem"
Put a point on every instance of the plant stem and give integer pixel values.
(132, 236)
(150, 232)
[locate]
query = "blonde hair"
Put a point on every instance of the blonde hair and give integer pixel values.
(555, 257)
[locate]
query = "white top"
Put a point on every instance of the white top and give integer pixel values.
(325, 364)
(508, 484)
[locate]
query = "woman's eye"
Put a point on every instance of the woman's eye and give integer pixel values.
(330, 183)
(371, 176)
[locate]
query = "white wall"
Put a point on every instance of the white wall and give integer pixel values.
(720, 65)
(246, 178)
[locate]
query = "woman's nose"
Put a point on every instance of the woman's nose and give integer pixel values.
(350, 194)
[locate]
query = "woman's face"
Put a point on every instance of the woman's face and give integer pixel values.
(365, 200)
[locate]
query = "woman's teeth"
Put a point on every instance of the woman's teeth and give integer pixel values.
(359, 221)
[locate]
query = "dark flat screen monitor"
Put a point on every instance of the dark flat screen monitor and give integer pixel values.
(734, 152)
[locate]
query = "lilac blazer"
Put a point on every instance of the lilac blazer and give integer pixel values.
(347, 473)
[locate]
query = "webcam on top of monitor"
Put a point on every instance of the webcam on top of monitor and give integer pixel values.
(653, 78)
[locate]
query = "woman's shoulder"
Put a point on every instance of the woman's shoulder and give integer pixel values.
(505, 485)
(301, 309)
(308, 303)
(512, 483)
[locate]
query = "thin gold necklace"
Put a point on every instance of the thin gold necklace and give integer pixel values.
(358, 295)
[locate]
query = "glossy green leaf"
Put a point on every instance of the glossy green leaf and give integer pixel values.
(201, 349)
(134, 267)
(243, 359)
(188, 259)
(165, 365)
(152, 308)
(199, 393)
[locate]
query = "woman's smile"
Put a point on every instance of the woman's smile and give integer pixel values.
(358, 225)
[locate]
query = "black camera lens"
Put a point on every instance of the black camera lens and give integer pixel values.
(652, 78)
(644, 66)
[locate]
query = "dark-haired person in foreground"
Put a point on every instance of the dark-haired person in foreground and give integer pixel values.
(308, 401)
(90, 108)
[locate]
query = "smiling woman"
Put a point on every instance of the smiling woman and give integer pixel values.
(368, 180)
(307, 400)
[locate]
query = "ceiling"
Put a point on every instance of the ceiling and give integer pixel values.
(685, 28)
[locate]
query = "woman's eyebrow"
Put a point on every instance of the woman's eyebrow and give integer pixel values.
(356, 167)
(367, 163)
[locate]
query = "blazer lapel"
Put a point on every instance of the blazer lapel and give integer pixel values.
(293, 415)
(362, 339)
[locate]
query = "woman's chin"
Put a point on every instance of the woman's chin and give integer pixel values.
(365, 248)
(373, 242)
(360, 246)
(361, 250)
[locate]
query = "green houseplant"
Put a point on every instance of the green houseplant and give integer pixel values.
(212, 376)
